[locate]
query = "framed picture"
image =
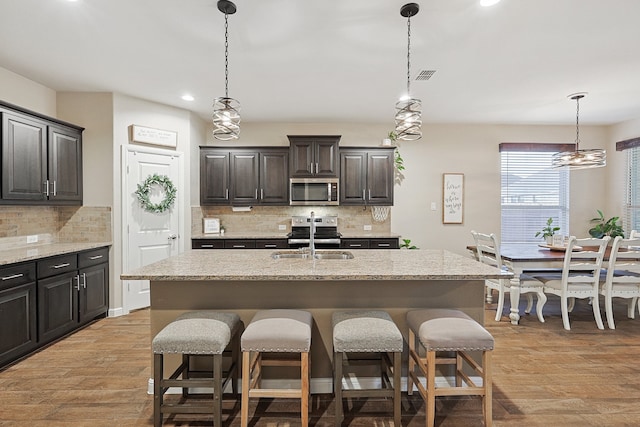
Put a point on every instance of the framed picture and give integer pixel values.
(452, 198)
(153, 136)
(211, 225)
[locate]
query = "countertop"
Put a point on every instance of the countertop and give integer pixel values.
(257, 264)
(37, 251)
(283, 235)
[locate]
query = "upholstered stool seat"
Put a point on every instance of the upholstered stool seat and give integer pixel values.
(447, 330)
(367, 331)
(272, 332)
(196, 333)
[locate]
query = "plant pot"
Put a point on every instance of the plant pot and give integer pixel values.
(548, 240)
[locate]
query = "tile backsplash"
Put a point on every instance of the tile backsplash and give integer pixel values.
(59, 223)
(268, 218)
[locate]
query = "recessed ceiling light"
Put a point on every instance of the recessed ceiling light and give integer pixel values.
(487, 3)
(187, 98)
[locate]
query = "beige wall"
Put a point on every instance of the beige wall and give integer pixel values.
(26, 93)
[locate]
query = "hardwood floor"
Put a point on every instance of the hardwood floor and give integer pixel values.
(543, 376)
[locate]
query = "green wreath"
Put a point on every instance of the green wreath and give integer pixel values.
(145, 188)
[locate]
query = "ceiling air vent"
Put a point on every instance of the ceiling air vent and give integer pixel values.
(425, 74)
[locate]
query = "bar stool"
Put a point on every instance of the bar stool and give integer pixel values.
(447, 330)
(274, 332)
(196, 333)
(367, 331)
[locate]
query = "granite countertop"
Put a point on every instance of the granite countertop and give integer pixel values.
(256, 264)
(242, 235)
(368, 235)
(37, 251)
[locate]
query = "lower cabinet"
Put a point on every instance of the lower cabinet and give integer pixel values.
(374, 243)
(239, 244)
(44, 300)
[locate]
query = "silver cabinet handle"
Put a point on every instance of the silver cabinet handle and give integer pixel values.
(369, 194)
(256, 194)
(13, 276)
(206, 246)
(317, 168)
(55, 193)
(64, 264)
(355, 245)
(84, 280)
(227, 194)
(270, 245)
(77, 286)
(311, 167)
(383, 245)
(261, 193)
(239, 246)
(46, 188)
(95, 257)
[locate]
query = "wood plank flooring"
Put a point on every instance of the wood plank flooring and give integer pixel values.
(543, 376)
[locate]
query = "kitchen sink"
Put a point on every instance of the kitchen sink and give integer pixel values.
(307, 255)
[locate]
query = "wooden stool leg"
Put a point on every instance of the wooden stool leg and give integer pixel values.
(488, 390)
(337, 387)
(185, 374)
(157, 389)
(412, 363)
(235, 360)
(431, 388)
(246, 379)
(217, 390)
(304, 386)
(397, 388)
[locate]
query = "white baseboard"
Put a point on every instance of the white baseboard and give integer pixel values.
(116, 312)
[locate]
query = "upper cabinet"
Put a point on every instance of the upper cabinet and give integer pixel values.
(366, 176)
(244, 176)
(41, 160)
(313, 156)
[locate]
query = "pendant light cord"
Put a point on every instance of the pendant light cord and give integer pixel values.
(408, 55)
(577, 125)
(226, 55)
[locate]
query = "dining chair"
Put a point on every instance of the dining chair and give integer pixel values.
(635, 234)
(488, 252)
(623, 277)
(580, 276)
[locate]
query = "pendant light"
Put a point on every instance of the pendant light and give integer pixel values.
(408, 114)
(226, 111)
(580, 159)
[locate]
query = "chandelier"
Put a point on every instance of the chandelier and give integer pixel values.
(408, 114)
(226, 111)
(579, 159)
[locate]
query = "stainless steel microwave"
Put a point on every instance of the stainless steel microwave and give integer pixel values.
(313, 191)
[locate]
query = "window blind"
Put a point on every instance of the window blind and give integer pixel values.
(531, 192)
(631, 220)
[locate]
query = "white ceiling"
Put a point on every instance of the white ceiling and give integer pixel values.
(330, 60)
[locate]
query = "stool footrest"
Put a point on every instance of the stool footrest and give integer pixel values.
(275, 392)
(382, 392)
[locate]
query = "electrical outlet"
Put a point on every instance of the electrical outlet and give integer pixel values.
(433, 206)
(32, 239)
(367, 228)
(282, 227)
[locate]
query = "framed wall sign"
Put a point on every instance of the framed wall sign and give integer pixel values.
(211, 225)
(153, 136)
(452, 198)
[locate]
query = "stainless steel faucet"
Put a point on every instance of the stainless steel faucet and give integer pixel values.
(312, 232)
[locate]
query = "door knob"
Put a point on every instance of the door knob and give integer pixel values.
(173, 236)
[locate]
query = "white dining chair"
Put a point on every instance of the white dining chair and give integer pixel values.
(488, 252)
(623, 277)
(635, 234)
(580, 276)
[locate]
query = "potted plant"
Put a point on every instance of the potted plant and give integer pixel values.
(548, 231)
(406, 244)
(606, 227)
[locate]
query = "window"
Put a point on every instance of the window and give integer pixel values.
(632, 212)
(532, 191)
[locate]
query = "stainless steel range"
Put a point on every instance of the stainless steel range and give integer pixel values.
(326, 234)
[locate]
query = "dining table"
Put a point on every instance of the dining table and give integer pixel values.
(526, 257)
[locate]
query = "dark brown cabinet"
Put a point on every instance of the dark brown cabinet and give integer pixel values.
(18, 313)
(239, 244)
(244, 177)
(366, 176)
(41, 160)
(313, 156)
(373, 243)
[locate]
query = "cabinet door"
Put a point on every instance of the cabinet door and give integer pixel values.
(301, 157)
(384, 244)
(353, 177)
(274, 177)
(57, 305)
(214, 177)
(65, 164)
(207, 244)
(354, 243)
(240, 244)
(272, 244)
(18, 327)
(24, 157)
(94, 292)
(244, 177)
(326, 157)
(380, 177)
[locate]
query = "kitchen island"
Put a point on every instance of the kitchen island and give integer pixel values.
(245, 281)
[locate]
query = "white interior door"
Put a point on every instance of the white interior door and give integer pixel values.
(148, 236)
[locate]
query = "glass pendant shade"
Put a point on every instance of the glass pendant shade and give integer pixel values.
(226, 118)
(408, 109)
(579, 159)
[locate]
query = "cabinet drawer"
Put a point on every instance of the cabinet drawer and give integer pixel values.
(384, 244)
(93, 257)
(16, 275)
(272, 244)
(57, 265)
(239, 244)
(355, 243)
(207, 244)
